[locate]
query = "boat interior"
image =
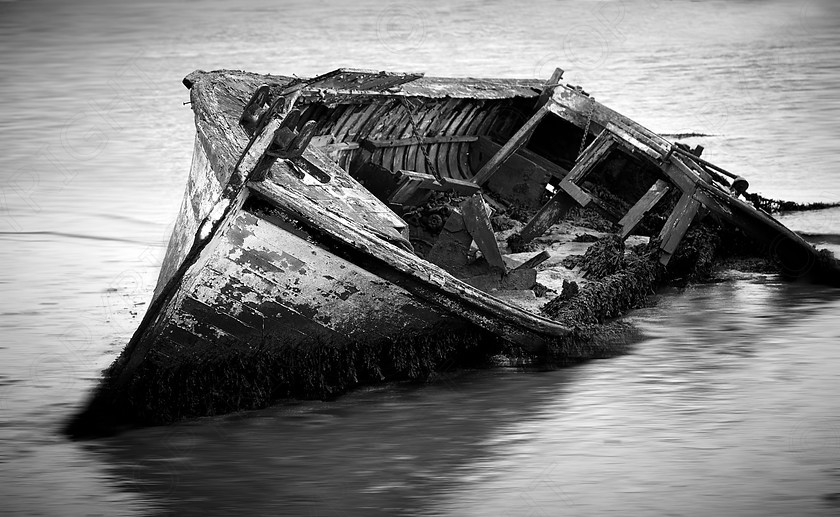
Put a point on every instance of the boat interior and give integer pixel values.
(418, 144)
(446, 156)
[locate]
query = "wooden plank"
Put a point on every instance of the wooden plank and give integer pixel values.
(358, 80)
(322, 140)
(680, 174)
(594, 153)
(428, 140)
(634, 143)
(676, 225)
(634, 216)
(577, 193)
(405, 190)
(534, 261)
(695, 168)
(339, 147)
(429, 182)
(517, 141)
(556, 207)
(478, 224)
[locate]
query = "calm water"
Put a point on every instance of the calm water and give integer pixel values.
(728, 406)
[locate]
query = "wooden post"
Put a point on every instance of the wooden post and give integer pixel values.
(634, 216)
(517, 141)
(550, 85)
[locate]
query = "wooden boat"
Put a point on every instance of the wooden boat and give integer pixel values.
(353, 209)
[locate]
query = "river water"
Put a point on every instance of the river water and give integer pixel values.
(727, 406)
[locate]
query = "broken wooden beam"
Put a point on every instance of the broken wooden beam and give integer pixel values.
(427, 140)
(596, 151)
(517, 140)
(676, 225)
(534, 261)
(477, 223)
(649, 200)
(578, 194)
(551, 212)
(550, 85)
(409, 182)
(569, 194)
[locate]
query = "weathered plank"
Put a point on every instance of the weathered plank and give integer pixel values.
(676, 225)
(414, 140)
(358, 80)
(406, 188)
(577, 193)
(517, 141)
(649, 200)
(536, 260)
(551, 212)
(679, 173)
(478, 224)
(429, 182)
(633, 143)
(591, 156)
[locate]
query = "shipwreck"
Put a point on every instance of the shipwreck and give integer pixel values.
(362, 226)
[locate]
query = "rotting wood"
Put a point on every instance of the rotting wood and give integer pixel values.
(495, 316)
(478, 224)
(407, 186)
(550, 85)
(594, 153)
(637, 212)
(428, 140)
(534, 261)
(510, 147)
(408, 182)
(582, 197)
(684, 178)
(676, 225)
(551, 212)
